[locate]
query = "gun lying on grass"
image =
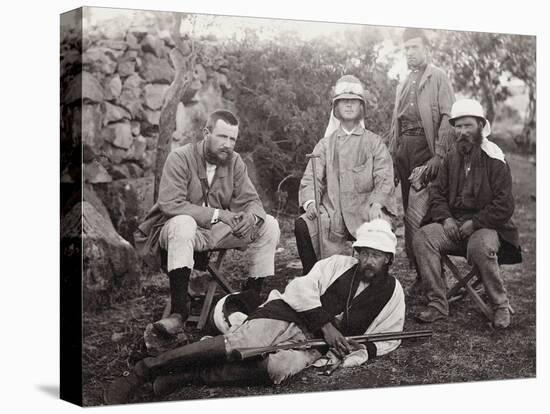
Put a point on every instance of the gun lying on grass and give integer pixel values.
(240, 354)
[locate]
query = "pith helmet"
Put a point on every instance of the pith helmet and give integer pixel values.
(376, 234)
(466, 107)
(348, 87)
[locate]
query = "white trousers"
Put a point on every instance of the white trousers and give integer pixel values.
(181, 236)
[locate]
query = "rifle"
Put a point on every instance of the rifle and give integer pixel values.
(240, 354)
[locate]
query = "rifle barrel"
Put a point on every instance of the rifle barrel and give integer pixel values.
(241, 354)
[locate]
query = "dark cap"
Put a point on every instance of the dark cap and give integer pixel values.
(413, 32)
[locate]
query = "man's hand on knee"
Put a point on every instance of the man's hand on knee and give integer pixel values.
(229, 218)
(451, 229)
(467, 229)
(246, 222)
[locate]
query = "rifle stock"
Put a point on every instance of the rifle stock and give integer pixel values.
(240, 354)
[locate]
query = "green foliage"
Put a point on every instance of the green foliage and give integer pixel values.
(282, 91)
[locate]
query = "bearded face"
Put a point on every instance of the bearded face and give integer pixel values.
(468, 133)
(371, 262)
(220, 142)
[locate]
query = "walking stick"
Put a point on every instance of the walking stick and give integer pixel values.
(312, 157)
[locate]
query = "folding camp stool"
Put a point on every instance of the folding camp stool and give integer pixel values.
(202, 263)
(470, 282)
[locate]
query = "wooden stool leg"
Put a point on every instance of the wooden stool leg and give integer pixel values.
(464, 282)
(205, 311)
(215, 273)
(482, 305)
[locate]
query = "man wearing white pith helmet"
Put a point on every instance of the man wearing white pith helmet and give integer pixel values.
(341, 296)
(355, 176)
(471, 207)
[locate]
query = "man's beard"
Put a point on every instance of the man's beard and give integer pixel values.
(215, 159)
(466, 147)
(369, 274)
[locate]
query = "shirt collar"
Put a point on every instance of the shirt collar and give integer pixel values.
(358, 130)
(419, 69)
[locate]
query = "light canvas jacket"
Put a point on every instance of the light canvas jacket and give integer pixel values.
(181, 193)
(435, 99)
(360, 174)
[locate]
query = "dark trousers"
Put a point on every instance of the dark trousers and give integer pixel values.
(413, 151)
(304, 245)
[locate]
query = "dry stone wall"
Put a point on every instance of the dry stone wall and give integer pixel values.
(112, 96)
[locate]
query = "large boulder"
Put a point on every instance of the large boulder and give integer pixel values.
(110, 269)
(127, 201)
(90, 196)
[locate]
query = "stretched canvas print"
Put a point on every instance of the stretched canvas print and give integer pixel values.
(253, 206)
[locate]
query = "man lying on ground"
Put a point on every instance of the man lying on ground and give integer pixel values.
(340, 296)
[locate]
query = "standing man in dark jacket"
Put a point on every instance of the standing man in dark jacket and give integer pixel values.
(206, 201)
(471, 207)
(419, 137)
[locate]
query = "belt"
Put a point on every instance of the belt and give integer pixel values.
(414, 132)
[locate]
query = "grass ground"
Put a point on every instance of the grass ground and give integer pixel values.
(463, 348)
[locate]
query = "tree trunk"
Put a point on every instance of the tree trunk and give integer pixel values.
(182, 89)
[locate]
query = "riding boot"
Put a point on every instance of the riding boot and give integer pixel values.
(196, 354)
(252, 372)
(120, 391)
(231, 373)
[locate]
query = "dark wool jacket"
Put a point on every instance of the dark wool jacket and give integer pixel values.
(491, 198)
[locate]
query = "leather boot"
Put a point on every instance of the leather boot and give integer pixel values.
(255, 284)
(196, 354)
(231, 373)
(167, 384)
(253, 372)
(120, 391)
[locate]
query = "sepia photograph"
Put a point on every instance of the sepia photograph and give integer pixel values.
(255, 206)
